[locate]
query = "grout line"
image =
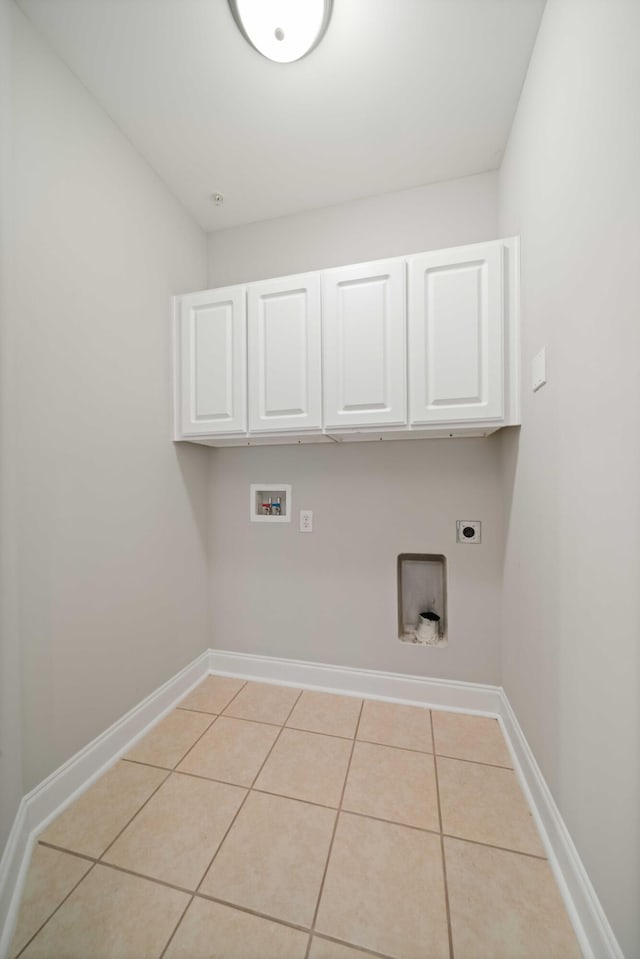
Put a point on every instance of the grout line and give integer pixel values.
(69, 852)
(177, 926)
(333, 834)
(351, 945)
(139, 762)
(444, 864)
(141, 875)
(490, 845)
(229, 827)
(475, 762)
(389, 822)
(432, 752)
(203, 712)
(190, 709)
(251, 912)
(318, 732)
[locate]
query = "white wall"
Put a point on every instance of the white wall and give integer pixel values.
(426, 218)
(112, 568)
(331, 596)
(10, 670)
(570, 185)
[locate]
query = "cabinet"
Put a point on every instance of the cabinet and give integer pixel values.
(364, 349)
(211, 363)
(284, 355)
(409, 347)
(456, 335)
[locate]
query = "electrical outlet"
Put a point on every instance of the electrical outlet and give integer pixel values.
(306, 521)
(469, 531)
(539, 370)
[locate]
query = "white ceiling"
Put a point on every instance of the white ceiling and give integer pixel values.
(398, 94)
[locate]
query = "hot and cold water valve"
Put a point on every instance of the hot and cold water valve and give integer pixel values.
(270, 503)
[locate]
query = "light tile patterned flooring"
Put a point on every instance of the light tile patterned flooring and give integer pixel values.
(261, 822)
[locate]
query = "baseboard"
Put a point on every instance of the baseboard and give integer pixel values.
(58, 790)
(394, 687)
(595, 935)
(47, 800)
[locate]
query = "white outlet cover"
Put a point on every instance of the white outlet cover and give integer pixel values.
(463, 526)
(539, 370)
(306, 521)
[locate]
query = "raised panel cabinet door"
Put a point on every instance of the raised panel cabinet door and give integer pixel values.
(212, 338)
(364, 347)
(456, 336)
(285, 365)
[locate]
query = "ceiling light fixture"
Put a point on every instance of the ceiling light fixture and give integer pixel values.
(282, 30)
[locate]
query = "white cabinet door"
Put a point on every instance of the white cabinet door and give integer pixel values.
(212, 343)
(285, 354)
(363, 323)
(456, 365)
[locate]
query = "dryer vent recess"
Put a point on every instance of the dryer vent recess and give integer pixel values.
(422, 599)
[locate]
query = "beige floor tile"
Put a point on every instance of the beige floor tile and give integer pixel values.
(477, 738)
(213, 694)
(232, 750)
(212, 931)
(326, 713)
(393, 725)
(486, 804)
(111, 915)
(95, 819)
(307, 766)
(263, 703)
(273, 859)
(385, 890)
(324, 949)
(177, 833)
(167, 743)
(393, 784)
(505, 906)
(51, 876)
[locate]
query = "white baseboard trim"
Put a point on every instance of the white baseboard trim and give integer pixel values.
(39, 807)
(394, 687)
(47, 800)
(595, 935)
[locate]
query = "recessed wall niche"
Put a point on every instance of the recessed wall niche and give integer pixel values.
(270, 503)
(422, 599)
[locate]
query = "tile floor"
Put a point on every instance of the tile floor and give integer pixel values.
(261, 822)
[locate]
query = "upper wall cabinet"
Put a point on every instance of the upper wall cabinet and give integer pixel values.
(211, 361)
(285, 361)
(456, 335)
(364, 349)
(411, 347)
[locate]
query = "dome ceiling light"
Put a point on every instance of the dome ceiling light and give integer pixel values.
(282, 30)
